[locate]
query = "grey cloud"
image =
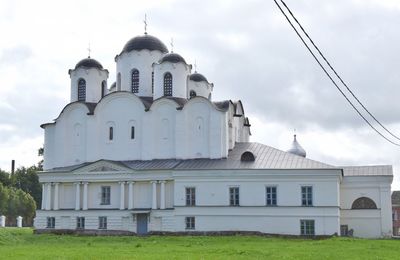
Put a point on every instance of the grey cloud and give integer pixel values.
(15, 55)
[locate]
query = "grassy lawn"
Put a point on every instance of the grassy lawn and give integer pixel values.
(22, 244)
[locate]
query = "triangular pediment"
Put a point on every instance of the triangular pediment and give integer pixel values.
(102, 166)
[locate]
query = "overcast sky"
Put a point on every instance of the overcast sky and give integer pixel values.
(246, 48)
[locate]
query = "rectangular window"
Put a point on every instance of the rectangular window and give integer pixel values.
(271, 196)
(105, 195)
(307, 227)
(191, 196)
(102, 222)
(190, 223)
(80, 222)
(51, 222)
(344, 230)
(306, 196)
(111, 133)
(234, 196)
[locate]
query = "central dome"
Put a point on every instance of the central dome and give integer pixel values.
(145, 42)
(89, 63)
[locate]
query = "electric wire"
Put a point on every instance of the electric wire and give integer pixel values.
(334, 71)
(330, 77)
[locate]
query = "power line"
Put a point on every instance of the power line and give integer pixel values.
(329, 76)
(337, 75)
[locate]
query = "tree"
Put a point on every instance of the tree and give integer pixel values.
(27, 180)
(3, 199)
(5, 178)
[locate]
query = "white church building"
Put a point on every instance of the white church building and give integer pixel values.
(154, 153)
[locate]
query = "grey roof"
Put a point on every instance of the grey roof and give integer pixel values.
(396, 197)
(374, 170)
(173, 57)
(147, 42)
(266, 157)
(89, 63)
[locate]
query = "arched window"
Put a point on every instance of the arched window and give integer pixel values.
(111, 133)
(168, 84)
(152, 82)
(247, 157)
(363, 203)
(81, 90)
(192, 94)
(132, 132)
(135, 81)
(103, 88)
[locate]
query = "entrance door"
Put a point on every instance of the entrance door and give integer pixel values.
(141, 224)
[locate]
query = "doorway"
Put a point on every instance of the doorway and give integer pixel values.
(141, 224)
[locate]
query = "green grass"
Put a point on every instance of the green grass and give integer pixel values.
(23, 244)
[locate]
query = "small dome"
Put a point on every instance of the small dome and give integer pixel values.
(296, 148)
(146, 42)
(89, 63)
(197, 77)
(173, 57)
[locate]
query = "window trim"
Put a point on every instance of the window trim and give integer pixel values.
(50, 222)
(103, 224)
(276, 195)
(305, 233)
(312, 195)
(190, 225)
(168, 87)
(191, 200)
(81, 90)
(101, 196)
(135, 82)
(235, 203)
(80, 222)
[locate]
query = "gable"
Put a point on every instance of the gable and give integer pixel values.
(102, 166)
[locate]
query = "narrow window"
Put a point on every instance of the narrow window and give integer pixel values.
(190, 223)
(105, 195)
(152, 82)
(119, 82)
(81, 90)
(51, 222)
(102, 222)
(192, 94)
(111, 133)
(344, 230)
(80, 222)
(306, 196)
(168, 84)
(103, 88)
(135, 81)
(191, 196)
(271, 196)
(132, 132)
(307, 227)
(234, 196)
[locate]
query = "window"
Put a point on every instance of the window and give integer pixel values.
(111, 133)
(81, 90)
(271, 196)
(363, 203)
(80, 222)
(152, 82)
(307, 227)
(191, 196)
(132, 132)
(306, 196)
(192, 94)
(168, 84)
(190, 223)
(102, 222)
(135, 81)
(51, 222)
(105, 195)
(103, 88)
(344, 230)
(234, 196)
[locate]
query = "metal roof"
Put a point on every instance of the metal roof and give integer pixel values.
(374, 170)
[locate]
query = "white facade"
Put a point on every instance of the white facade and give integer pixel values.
(150, 161)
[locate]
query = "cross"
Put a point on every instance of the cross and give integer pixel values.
(89, 50)
(145, 24)
(195, 66)
(172, 45)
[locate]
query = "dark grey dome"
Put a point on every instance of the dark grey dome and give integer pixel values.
(173, 57)
(197, 77)
(89, 63)
(145, 42)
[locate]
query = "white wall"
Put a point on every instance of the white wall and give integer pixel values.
(94, 78)
(179, 71)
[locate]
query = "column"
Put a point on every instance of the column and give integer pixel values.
(130, 194)
(77, 196)
(162, 191)
(154, 196)
(43, 196)
(48, 196)
(85, 196)
(122, 193)
(2, 221)
(55, 205)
